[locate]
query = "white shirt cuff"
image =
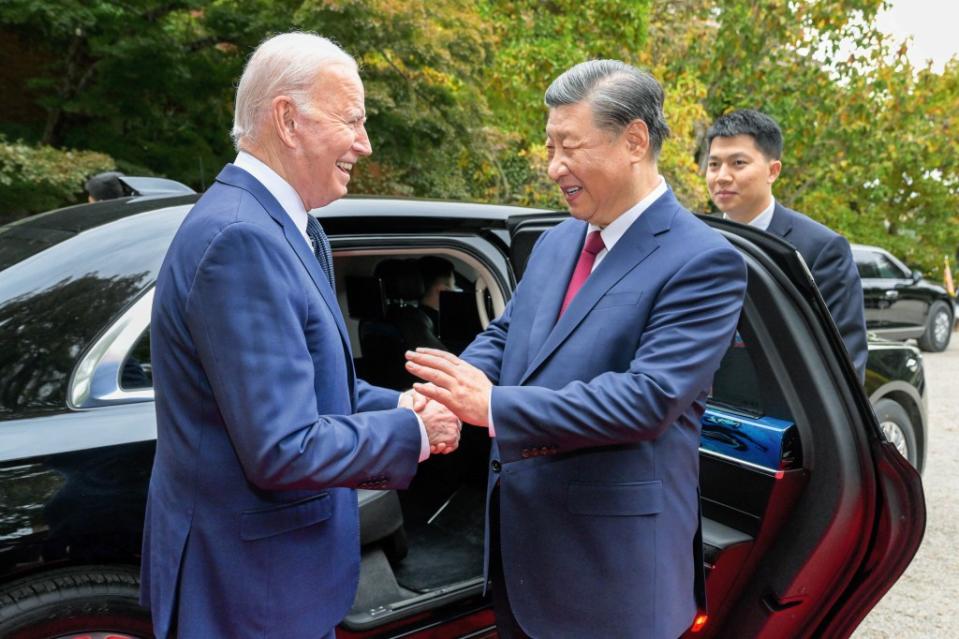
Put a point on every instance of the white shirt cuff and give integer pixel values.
(489, 414)
(424, 438)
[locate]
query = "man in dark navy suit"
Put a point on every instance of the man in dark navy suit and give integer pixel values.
(263, 430)
(593, 381)
(745, 148)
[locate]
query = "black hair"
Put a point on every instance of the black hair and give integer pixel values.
(105, 186)
(433, 268)
(759, 126)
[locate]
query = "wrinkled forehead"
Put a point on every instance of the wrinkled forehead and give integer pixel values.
(339, 86)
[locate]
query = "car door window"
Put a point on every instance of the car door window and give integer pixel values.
(137, 372)
(877, 266)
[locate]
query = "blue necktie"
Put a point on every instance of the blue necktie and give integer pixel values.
(321, 247)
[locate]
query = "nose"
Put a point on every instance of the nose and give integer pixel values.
(557, 167)
(362, 145)
(723, 176)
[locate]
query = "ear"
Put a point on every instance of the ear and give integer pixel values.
(775, 166)
(636, 135)
(283, 119)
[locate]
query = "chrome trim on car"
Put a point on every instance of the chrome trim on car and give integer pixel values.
(96, 379)
(771, 472)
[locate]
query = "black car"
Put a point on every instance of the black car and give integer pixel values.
(900, 303)
(810, 514)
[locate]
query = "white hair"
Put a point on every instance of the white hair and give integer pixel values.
(286, 64)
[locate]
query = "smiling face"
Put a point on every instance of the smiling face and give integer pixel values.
(330, 137)
(740, 177)
(594, 167)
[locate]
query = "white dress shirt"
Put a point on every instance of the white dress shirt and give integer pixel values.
(762, 220)
(292, 205)
(611, 234)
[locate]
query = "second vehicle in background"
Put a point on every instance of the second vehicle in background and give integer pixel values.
(900, 303)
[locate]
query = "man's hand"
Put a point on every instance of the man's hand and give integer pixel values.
(412, 400)
(459, 386)
(442, 427)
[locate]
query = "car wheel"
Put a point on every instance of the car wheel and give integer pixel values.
(938, 329)
(897, 427)
(98, 602)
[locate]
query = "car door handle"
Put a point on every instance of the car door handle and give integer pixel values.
(892, 295)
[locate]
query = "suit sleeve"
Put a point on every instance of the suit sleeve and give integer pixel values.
(688, 330)
(834, 271)
(368, 397)
(247, 311)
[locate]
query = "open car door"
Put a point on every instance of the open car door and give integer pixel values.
(809, 514)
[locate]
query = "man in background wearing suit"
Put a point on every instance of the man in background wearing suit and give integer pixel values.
(263, 431)
(745, 148)
(593, 381)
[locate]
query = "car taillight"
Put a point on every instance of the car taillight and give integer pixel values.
(699, 622)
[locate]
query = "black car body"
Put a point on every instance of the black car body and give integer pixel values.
(900, 303)
(809, 513)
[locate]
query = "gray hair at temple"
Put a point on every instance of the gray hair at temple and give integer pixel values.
(286, 64)
(618, 93)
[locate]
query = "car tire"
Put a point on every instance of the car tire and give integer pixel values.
(938, 329)
(898, 429)
(93, 601)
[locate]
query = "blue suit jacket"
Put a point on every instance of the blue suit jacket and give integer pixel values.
(252, 527)
(830, 259)
(597, 419)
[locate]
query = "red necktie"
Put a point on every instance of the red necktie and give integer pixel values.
(594, 244)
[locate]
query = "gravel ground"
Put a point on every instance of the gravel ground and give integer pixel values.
(924, 603)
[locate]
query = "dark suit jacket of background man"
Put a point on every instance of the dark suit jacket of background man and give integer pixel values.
(828, 256)
(597, 424)
(255, 396)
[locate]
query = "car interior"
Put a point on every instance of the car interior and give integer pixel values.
(428, 544)
(422, 547)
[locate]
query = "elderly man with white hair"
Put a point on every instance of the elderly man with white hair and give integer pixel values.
(263, 430)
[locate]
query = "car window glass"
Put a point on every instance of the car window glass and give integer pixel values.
(888, 269)
(736, 384)
(137, 373)
(876, 265)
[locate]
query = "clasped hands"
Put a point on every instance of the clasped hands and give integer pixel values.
(442, 426)
(461, 387)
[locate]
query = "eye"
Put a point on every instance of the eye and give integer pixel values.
(741, 163)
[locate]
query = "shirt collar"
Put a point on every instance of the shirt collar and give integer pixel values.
(618, 227)
(764, 219)
(278, 188)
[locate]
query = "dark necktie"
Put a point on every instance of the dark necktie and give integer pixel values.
(321, 247)
(584, 266)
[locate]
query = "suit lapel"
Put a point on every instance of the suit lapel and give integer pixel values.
(569, 244)
(636, 245)
(780, 225)
(235, 176)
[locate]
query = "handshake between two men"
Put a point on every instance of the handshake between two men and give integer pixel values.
(454, 392)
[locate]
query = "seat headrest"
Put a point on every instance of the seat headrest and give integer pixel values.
(365, 297)
(401, 280)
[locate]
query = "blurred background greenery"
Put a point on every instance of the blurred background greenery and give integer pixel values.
(454, 97)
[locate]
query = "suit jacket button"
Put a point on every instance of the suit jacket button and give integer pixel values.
(544, 450)
(525, 453)
(495, 465)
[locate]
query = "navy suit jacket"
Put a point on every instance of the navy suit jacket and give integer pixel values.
(252, 524)
(597, 419)
(830, 259)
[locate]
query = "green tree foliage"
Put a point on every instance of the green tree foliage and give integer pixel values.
(40, 178)
(454, 94)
